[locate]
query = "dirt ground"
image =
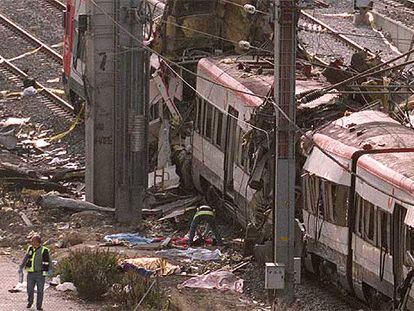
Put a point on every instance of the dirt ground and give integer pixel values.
(53, 299)
(180, 299)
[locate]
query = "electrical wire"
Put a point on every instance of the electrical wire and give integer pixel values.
(350, 34)
(178, 65)
(344, 167)
(214, 36)
(242, 6)
(300, 130)
(174, 71)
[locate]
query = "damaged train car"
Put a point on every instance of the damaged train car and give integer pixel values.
(358, 187)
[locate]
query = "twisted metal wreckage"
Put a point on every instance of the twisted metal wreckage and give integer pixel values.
(219, 117)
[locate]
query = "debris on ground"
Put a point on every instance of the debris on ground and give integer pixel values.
(128, 239)
(191, 253)
(52, 200)
(160, 266)
(221, 280)
(66, 286)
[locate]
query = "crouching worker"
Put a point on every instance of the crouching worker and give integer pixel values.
(38, 265)
(204, 214)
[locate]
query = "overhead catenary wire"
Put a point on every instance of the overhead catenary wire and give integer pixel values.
(217, 37)
(300, 130)
(331, 157)
(174, 71)
(199, 76)
(366, 73)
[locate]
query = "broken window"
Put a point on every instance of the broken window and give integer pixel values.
(312, 186)
(383, 238)
(327, 211)
(340, 204)
(199, 121)
(209, 121)
(359, 215)
(242, 151)
(219, 128)
(409, 241)
(366, 220)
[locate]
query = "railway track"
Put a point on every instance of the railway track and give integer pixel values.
(4, 21)
(398, 10)
(323, 27)
(56, 104)
(52, 101)
(56, 4)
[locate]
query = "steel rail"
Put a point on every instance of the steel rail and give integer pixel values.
(406, 5)
(68, 108)
(29, 37)
(57, 4)
(355, 46)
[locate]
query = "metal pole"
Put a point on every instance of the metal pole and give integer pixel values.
(131, 114)
(284, 179)
(99, 118)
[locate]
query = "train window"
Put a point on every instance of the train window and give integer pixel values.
(209, 121)
(239, 141)
(312, 185)
(371, 223)
(242, 151)
(366, 224)
(327, 206)
(219, 128)
(359, 216)
(409, 241)
(201, 114)
(340, 206)
(383, 239)
(369, 220)
(199, 120)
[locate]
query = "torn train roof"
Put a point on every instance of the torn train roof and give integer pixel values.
(227, 72)
(393, 172)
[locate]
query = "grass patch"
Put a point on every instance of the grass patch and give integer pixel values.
(92, 272)
(131, 289)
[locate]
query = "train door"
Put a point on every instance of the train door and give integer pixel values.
(230, 149)
(398, 241)
(69, 26)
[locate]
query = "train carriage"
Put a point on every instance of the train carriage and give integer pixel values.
(226, 102)
(359, 216)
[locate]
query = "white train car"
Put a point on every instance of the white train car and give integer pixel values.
(225, 103)
(360, 225)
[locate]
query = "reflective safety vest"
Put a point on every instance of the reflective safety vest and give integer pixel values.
(203, 213)
(31, 252)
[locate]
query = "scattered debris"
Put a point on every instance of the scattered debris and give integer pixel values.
(87, 218)
(29, 91)
(69, 239)
(52, 200)
(128, 238)
(67, 286)
(26, 219)
(158, 265)
(192, 253)
(221, 280)
(55, 281)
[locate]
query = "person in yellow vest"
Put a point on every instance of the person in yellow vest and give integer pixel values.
(38, 264)
(204, 214)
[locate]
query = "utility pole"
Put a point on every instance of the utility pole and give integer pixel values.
(284, 174)
(132, 92)
(99, 117)
(116, 118)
